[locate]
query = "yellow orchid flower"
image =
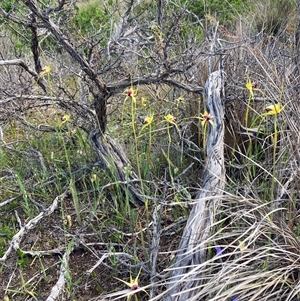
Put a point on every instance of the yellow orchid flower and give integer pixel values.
(180, 99)
(148, 120)
(45, 70)
(131, 93)
(249, 87)
(133, 284)
(65, 118)
(206, 118)
(93, 177)
(170, 118)
(273, 109)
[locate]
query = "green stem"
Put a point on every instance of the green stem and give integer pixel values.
(168, 154)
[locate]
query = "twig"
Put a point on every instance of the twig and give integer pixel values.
(135, 233)
(155, 246)
(44, 253)
(22, 64)
(58, 288)
(106, 255)
(7, 201)
(15, 242)
(18, 218)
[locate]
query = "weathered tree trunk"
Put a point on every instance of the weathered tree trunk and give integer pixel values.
(112, 158)
(183, 279)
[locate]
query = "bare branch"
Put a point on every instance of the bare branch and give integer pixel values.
(21, 63)
(35, 46)
(15, 242)
(64, 41)
(58, 288)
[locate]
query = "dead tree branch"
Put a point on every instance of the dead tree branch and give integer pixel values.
(58, 288)
(112, 158)
(192, 248)
(15, 242)
(21, 63)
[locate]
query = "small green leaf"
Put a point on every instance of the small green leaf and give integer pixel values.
(20, 252)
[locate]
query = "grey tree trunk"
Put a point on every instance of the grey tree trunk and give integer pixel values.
(184, 276)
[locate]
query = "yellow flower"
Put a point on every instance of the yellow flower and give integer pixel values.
(45, 70)
(273, 109)
(65, 119)
(131, 94)
(144, 101)
(170, 118)
(133, 284)
(148, 120)
(180, 99)
(206, 118)
(68, 221)
(249, 86)
(93, 177)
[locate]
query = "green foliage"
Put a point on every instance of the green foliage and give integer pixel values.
(225, 11)
(7, 5)
(6, 233)
(22, 258)
(91, 17)
(16, 36)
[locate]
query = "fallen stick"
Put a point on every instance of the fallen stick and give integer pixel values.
(17, 238)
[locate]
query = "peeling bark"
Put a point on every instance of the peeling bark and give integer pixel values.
(184, 276)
